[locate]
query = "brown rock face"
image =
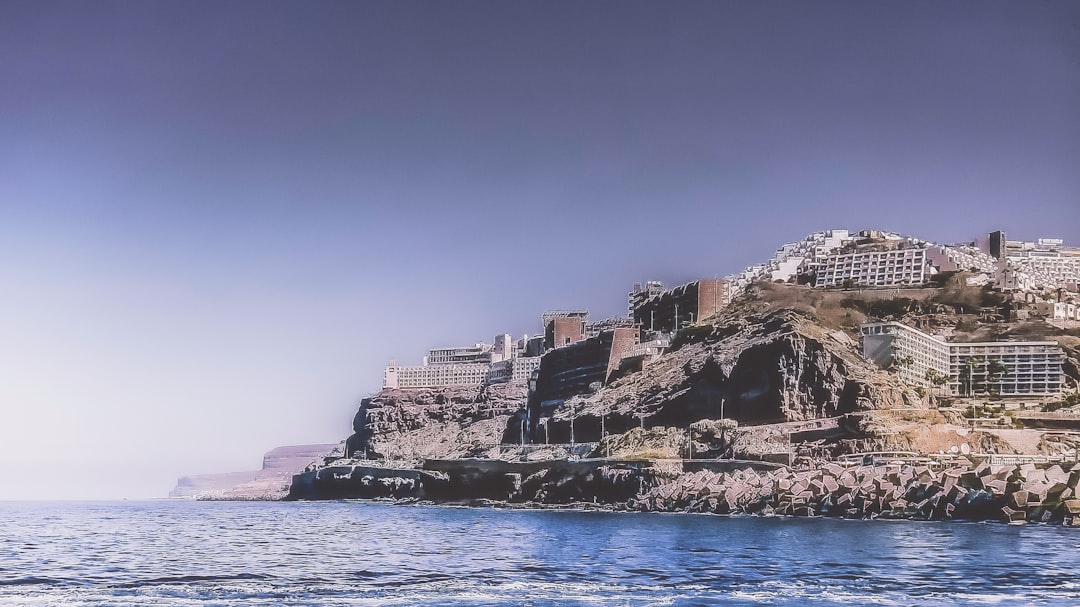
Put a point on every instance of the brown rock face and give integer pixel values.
(416, 424)
(766, 367)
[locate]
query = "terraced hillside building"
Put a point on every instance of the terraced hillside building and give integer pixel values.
(1000, 368)
(902, 264)
(1045, 263)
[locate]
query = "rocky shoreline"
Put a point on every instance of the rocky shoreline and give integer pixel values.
(974, 492)
(963, 490)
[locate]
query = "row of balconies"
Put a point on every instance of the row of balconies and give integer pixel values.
(865, 276)
(873, 281)
(1029, 352)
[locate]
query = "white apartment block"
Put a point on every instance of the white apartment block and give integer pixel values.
(792, 258)
(1026, 369)
(479, 353)
(898, 267)
(435, 376)
(1045, 263)
(517, 370)
(962, 257)
(1047, 272)
(887, 342)
(466, 366)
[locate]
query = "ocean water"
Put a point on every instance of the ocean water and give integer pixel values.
(352, 553)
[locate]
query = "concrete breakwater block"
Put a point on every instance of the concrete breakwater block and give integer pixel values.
(1009, 493)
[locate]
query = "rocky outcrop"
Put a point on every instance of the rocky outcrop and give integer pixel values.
(467, 480)
(417, 424)
(752, 366)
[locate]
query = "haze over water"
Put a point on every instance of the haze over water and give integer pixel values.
(172, 553)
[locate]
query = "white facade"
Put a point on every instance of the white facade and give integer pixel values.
(1048, 272)
(885, 343)
(435, 376)
(516, 370)
(467, 366)
(1032, 368)
(503, 348)
(1045, 263)
(479, 353)
(792, 258)
(524, 367)
(962, 257)
(898, 267)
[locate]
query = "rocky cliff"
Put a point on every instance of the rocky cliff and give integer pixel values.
(752, 364)
(412, 425)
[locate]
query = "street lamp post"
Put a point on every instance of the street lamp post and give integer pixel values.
(571, 430)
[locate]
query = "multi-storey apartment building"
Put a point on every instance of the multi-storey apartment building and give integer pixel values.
(435, 376)
(1045, 263)
(465, 366)
(961, 257)
(476, 354)
(1009, 369)
(884, 268)
(885, 343)
(517, 370)
(792, 258)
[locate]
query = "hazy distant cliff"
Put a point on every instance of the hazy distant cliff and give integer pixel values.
(271, 481)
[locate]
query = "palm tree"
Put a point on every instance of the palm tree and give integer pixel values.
(995, 371)
(936, 378)
(971, 364)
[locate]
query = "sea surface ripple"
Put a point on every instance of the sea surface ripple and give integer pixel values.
(172, 553)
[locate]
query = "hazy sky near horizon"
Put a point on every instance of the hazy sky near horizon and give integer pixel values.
(220, 220)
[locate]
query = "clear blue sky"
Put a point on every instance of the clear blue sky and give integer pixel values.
(219, 220)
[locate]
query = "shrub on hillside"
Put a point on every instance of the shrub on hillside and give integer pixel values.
(880, 308)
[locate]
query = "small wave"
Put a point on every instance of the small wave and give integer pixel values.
(30, 581)
(185, 579)
(366, 574)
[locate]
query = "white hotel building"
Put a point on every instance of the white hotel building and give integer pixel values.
(1030, 368)
(468, 366)
(435, 376)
